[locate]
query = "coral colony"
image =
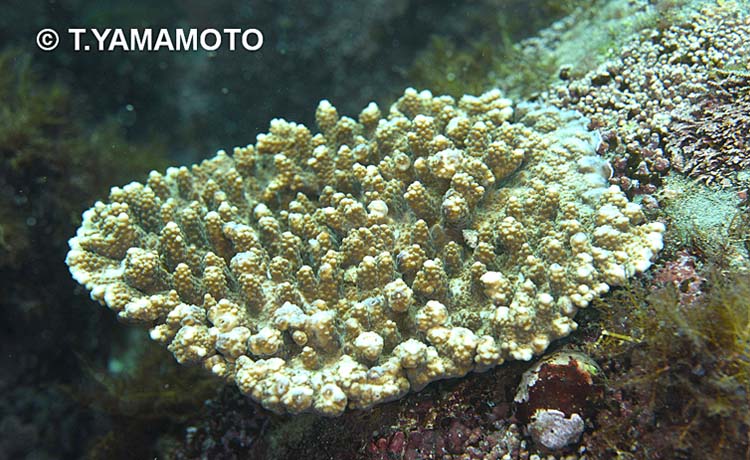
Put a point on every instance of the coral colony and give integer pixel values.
(348, 267)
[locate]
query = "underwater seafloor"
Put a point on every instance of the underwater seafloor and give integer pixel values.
(666, 83)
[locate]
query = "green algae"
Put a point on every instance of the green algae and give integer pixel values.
(53, 159)
(150, 398)
(678, 373)
(588, 35)
(703, 216)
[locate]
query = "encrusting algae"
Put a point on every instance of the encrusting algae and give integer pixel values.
(345, 268)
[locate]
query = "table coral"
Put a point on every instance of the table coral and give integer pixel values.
(310, 268)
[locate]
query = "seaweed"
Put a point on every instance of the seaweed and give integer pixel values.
(54, 160)
(446, 69)
(708, 141)
(148, 403)
(458, 65)
(678, 388)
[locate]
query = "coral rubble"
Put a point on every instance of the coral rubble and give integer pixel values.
(347, 267)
